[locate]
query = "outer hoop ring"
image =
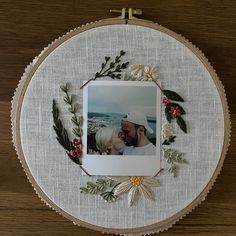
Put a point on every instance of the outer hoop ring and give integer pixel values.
(19, 97)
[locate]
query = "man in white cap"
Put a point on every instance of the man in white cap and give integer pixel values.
(134, 127)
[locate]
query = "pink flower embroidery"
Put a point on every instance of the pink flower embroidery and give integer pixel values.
(175, 112)
(76, 150)
(166, 101)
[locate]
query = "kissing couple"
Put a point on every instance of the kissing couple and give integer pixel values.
(130, 139)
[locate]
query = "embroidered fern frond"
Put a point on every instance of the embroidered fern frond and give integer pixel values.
(73, 109)
(114, 69)
(62, 135)
(98, 187)
(173, 157)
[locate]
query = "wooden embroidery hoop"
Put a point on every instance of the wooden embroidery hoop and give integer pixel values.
(23, 84)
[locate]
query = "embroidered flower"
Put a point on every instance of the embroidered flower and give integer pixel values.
(76, 150)
(166, 101)
(136, 185)
(137, 70)
(175, 112)
(166, 132)
(150, 73)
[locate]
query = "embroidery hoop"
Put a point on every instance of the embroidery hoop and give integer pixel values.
(32, 68)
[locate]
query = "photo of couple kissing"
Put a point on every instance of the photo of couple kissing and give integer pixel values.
(130, 139)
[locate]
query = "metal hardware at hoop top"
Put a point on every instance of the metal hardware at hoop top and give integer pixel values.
(130, 12)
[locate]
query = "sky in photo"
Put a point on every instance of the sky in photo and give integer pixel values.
(122, 99)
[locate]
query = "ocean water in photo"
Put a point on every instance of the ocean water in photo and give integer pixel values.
(97, 120)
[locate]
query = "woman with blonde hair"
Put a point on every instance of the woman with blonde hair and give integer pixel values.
(108, 141)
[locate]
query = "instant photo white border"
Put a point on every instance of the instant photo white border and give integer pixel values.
(118, 165)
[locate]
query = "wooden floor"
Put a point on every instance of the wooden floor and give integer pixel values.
(26, 27)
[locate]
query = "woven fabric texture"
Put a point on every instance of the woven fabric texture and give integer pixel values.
(78, 59)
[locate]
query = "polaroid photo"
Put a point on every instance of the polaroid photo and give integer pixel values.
(122, 127)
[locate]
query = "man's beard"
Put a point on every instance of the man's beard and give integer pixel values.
(134, 141)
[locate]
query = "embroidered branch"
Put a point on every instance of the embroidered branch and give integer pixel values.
(73, 149)
(99, 187)
(73, 108)
(114, 68)
(112, 71)
(62, 135)
(174, 110)
(110, 196)
(173, 157)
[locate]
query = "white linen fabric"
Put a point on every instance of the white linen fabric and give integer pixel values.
(78, 59)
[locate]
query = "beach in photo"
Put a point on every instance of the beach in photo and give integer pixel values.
(108, 105)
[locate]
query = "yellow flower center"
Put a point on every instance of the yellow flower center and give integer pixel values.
(136, 180)
(140, 66)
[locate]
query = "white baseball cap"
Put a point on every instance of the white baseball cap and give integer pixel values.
(138, 118)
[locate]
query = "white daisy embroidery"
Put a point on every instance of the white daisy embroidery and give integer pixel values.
(137, 70)
(136, 185)
(150, 73)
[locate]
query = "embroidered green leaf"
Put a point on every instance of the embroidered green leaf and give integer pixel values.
(109, 196)
(181, 123)
(112, 64)
(75, 107)
(117, 59)
(74, 120)
(173, 95)
(122, 52)
(103, 183)
(74, 159)
(83, 190)
(118, 68)
(118, 76)
(72, 109)
(172, 139)
(124, 65)
(65, 87)
(92, 188)
(80, 120)
(166, 142)
(62, 136)
(77, 120)
(67, 100)
(77, 132)
(167, 114)
(169, 141)
(107, 59)
(173, 170)
(172, 104)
